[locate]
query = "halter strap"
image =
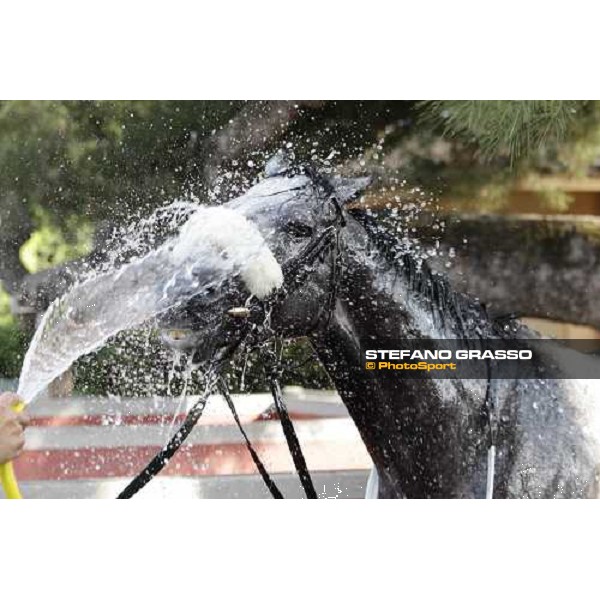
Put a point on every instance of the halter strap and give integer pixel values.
(490, 410)
(271, 485)
(292, 441)
(161, 460)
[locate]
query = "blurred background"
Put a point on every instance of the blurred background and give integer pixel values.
(505, 193)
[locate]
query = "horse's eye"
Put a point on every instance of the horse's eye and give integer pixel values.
(298, 230)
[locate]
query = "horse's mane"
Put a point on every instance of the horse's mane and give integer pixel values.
(449, 308)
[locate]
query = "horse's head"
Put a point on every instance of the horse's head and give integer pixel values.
(298, 216)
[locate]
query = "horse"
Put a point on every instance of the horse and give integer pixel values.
(346, 283)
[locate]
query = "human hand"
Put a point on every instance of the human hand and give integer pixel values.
(12, 427)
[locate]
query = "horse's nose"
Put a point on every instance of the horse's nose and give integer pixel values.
(180, 339)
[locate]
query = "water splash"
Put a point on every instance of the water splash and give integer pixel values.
(213, 245)
(175, 364)
(187, 377)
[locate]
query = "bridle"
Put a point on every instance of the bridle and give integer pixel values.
(252, 326)
(255, 331)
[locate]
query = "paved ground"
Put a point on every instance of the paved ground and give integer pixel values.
(91, 447)
(334, 485)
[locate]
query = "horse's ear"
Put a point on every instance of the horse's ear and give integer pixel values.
(278, 164)
(350, 189)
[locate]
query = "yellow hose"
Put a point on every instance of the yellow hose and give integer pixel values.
(7, 472)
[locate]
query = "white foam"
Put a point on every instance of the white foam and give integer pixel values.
(235, 240)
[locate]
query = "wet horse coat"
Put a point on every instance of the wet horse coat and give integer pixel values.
(427, 438)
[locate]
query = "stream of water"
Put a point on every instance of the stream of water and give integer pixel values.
(213, 244)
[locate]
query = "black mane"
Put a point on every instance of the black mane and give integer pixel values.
(465, 315)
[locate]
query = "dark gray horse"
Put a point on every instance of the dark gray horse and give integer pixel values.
(428, 438)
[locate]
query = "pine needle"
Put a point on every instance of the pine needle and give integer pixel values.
(511, 128)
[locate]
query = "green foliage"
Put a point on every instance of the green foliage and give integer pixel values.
(6, 317)
(102, 159)
(512, 128)
(474, 152)
(49, 246)
(136, 363)
(12, 349)
(12, 340)
(299, 364)
(99, 160)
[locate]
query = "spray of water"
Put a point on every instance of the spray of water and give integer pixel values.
(213, 245)
(187, 376)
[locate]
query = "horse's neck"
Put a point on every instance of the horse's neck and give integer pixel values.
(408, 426)
(376, 301)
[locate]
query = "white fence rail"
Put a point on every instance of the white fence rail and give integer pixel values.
(89, 447)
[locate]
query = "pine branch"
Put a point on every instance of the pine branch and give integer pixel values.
(511, 128)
